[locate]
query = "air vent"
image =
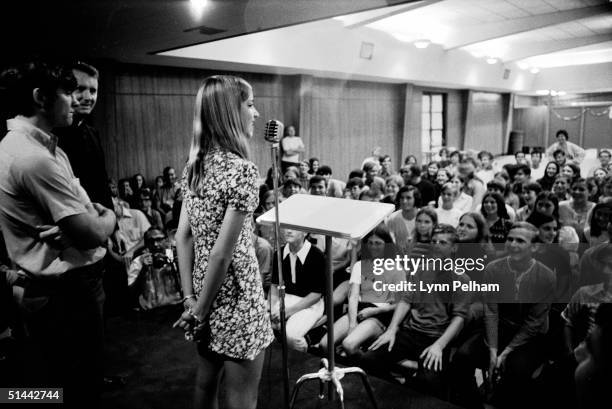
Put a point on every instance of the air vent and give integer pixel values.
(205, 30)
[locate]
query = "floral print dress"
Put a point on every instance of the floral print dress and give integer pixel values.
(239, 326)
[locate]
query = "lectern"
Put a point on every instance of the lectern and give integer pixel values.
(332, 217)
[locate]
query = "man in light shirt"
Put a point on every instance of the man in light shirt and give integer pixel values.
(54, 233)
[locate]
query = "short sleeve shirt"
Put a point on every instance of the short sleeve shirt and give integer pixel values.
(38, 187)
(239, 324)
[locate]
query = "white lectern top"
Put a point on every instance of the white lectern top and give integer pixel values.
(349, 219)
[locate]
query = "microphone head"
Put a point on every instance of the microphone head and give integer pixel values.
(273, 131)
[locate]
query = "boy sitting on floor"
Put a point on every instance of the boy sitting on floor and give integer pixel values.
(303, 274)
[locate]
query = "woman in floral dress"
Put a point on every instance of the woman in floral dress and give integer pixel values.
(225, 311)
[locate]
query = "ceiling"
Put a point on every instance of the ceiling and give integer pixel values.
(132, 30)
(568, 41)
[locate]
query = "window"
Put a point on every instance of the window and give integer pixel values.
(433, 135)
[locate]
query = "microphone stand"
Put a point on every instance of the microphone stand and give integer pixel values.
(281, 283)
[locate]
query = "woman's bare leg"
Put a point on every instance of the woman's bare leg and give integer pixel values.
(242, 382)
(207, 383)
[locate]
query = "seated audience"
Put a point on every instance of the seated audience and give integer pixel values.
(264, 253)
(138, 184)
(393, 184)
(574, 212)
(129, 234)
(597, 232)
(572, 151)
(303, 269)
(590, 266)
(604, 157)
(402, 222)
(520, 158)
(372, 170)
(571, 170)
(560, 157)
(167, 193)
(412, 176)
(537, 170)
(486, 171)
(314, 165)
(561, 187)
(463, 201)
(425, 222)
(354, 187)
(317, 186)
(447, 212)
(606, 190)
(291, 187)
(303, 175)
(369, 310)
(529, 195)
(497, 218)
(593, 373)
(516, 321)
(153, 275)
(496, 186)
(593, 189)
(146, 207)
(127, 194)
(599, 174)
(423, 324)
(411, 160)
(385, 166)
(335, 188)
(473, 240)
(432, 171)
(371, 195)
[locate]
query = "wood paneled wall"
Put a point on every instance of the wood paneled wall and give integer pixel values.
(145, 116)
(532, 121)
(484, 124)
(589, 127)
(347, 119)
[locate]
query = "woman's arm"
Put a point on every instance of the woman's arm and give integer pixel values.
(220, 259)
(309, 300)
(184, 252)
(353, 300)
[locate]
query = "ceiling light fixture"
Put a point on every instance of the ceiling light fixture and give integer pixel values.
(197, 6)
(543, 92)
(492, 60)
(523, 65)
(423, 43)
(534, 70)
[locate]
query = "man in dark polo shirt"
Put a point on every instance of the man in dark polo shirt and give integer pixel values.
(81, 141)
(303, 273)
(63, 296)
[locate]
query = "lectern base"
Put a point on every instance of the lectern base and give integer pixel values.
(325, 375)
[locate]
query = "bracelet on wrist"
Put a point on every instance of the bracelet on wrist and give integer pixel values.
(187, 297)
(193, 315)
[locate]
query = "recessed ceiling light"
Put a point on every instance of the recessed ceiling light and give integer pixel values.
(492, 60)
(523, 65)
(197, 6)
(423, 43)
(534, 70)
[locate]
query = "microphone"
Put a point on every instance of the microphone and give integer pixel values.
(273, 131)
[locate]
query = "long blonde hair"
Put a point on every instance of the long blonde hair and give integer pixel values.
(217, 123)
